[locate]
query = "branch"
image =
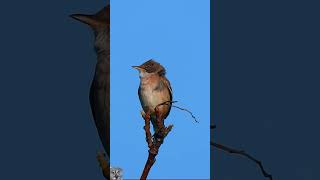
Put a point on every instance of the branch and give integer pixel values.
(241, 153)
(155, 142)
(183, 109)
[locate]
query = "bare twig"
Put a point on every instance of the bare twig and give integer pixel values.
(241, 153)
(183, 109)
(165, 103)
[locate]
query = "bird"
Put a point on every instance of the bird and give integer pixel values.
(154, 89)
(99, 96)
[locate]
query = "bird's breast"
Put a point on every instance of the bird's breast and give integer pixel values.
(151, 96)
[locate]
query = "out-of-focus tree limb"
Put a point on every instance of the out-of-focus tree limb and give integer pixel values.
(105, 166)
(241, 153)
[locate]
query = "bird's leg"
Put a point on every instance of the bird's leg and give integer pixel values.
(146, 117)
(161, 129)
(158, 119)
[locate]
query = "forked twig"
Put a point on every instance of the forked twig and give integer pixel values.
(242, 153)
(153, 143)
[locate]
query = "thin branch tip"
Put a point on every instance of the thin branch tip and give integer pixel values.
(183, 109)
(242, 153)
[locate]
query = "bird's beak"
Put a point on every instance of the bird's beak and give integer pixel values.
(137, 67)
(87, 19)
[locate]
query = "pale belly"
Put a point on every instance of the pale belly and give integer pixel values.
(152, 98)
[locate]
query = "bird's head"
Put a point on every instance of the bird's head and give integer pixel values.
(100, 24)
(150, 67)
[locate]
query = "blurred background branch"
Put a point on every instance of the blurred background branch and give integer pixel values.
(241, 153)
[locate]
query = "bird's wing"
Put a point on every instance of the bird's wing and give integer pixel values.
(167, 85)
(139, 93)
(98, 101)
(140, 96)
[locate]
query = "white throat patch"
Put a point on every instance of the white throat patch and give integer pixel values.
(143, 74)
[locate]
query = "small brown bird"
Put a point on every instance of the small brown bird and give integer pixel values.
(154, 89)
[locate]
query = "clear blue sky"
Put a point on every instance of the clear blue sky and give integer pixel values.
(176, 34)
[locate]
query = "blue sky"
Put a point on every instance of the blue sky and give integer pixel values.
(176, 34)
